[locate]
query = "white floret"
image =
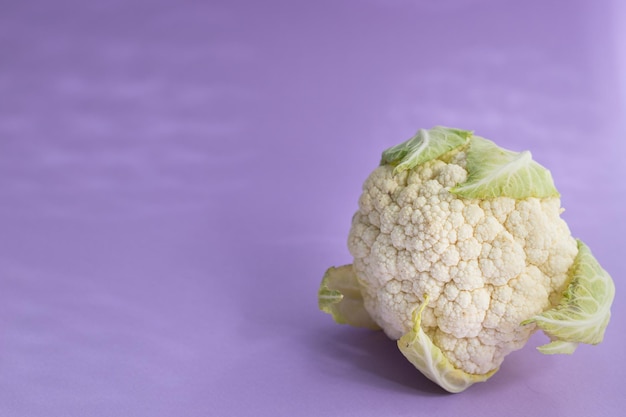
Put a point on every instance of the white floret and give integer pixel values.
(486, 265)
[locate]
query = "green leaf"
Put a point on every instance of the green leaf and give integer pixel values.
(558, 347)
(340, 296)
(497, 172)
(419, 349)
(424, 146)
(585, 309)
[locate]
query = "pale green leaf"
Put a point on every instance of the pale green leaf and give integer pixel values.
(558, 346)
(497, 172)
(419, 349)
(427, 144)
(340, 296)
(585, 308)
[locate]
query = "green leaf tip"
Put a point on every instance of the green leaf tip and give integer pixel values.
(584, 311)
(420, 350)
(492, 171)
(497, 172)
(340, 296)
(427, 144)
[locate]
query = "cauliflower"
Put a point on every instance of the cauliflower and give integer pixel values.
(460, 254)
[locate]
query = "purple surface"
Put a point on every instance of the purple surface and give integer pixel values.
(176, 177)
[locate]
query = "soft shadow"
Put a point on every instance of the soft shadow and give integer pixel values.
(348, 351)
(278, 298)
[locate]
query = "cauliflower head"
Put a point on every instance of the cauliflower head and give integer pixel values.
(460, 254)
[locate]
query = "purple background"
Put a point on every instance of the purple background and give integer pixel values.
(177, 176)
